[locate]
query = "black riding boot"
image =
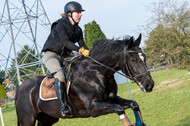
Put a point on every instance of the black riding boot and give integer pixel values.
(60, 89)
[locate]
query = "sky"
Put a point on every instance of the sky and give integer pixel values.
(116, 18)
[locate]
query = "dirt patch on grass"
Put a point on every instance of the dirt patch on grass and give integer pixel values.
(171, 83)
(168, 81)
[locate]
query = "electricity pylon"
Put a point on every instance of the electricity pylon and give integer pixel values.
(22, 22)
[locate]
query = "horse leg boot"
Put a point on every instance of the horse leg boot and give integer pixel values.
(103, 108)
(138, 117)
(130, 104)
(123, 117)
(125, 120)
(61, 94)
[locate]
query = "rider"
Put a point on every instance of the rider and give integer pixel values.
(65, 32)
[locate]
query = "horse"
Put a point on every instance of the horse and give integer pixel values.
(93, 89)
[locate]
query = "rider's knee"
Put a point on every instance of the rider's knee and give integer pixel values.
(60, 77)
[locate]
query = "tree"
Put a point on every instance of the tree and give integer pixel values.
(161, 47)
(2, 76)
(168, 40)
(92, 32)
(3, 94)
(25, 57)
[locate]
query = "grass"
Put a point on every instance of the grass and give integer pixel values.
(167, 105)
(9, 115)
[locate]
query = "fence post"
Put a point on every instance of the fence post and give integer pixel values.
(1, 114)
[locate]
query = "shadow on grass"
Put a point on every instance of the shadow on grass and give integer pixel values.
(184, 122)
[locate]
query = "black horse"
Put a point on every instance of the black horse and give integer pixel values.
(93, 89)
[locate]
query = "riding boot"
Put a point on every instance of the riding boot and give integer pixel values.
(60, 89)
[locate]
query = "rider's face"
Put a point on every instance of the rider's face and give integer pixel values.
(77, 16)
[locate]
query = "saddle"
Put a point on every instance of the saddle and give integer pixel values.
(47, 91)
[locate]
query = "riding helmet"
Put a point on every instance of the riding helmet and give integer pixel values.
(73, 6)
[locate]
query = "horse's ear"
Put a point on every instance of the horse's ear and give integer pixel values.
(130, 42)
(138, 40)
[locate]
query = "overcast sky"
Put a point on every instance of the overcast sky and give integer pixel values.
(117, 18)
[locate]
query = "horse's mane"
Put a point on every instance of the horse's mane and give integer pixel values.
(107, 45)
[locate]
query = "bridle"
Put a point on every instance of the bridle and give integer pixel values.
(126, 64)
(131, 75)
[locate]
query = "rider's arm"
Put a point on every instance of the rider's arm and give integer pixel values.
(81, 41)
(65, 38)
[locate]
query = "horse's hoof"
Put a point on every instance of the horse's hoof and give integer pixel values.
(143, 124)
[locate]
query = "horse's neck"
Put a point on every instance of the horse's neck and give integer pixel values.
(109, 61)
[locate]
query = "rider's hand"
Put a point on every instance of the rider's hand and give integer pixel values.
(84, 51)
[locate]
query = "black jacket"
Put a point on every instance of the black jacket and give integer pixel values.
(63, 37)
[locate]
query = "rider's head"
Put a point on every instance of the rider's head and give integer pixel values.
(73, 11)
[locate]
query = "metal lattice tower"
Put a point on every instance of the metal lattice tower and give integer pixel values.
(22, 22)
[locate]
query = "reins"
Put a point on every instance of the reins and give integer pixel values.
(131, 76)
(108, 67)
(53, 73)
(127, 67)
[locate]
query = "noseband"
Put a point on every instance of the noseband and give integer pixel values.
(131, 74)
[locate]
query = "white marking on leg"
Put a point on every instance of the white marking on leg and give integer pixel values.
(122, 116)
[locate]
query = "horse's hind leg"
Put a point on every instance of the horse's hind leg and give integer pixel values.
(27, 120)
(25, 113)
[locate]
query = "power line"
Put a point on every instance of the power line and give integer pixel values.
(20, 23)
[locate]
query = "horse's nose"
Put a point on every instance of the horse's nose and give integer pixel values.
(149, 87)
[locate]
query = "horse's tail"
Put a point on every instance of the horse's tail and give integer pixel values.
(16, 96)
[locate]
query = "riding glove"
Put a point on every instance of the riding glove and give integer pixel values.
(84, 51)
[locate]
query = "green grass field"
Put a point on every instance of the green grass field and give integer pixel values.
(167, 105)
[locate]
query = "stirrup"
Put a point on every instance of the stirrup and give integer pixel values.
(65, 110)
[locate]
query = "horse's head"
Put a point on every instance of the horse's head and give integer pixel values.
(131, 60)
(134, 64)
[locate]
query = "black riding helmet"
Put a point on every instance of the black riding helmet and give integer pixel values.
(72, 6)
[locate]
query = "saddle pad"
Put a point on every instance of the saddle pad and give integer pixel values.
(47, 93)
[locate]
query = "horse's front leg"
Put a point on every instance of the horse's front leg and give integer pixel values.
(103, 108)
(129, 104)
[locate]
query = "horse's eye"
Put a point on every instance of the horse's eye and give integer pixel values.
(132, 60)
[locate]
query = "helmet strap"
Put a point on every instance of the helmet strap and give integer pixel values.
(72, 18)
